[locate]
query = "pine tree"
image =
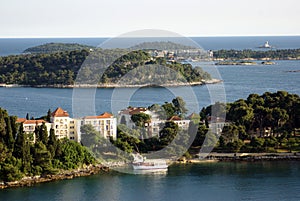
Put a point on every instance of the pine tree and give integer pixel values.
(9, 134)
(22, 149)
(43, 134)
(52, 143)
(14, 128)
(48, 117)
(3, 114)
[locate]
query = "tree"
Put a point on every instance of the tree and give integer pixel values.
(48, 117)
(52, 143)
(22, 149)
(9, 134)
(201, 134)
(90, 136)
(169, 110)
(43, 134)
(140, 119)
(42, 158)
(168, 133)
(179, 106)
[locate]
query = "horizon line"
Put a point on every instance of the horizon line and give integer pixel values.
(204, 36)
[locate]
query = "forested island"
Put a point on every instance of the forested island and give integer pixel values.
(56, 47)
(60, 69)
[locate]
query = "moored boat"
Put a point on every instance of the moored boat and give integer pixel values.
(141, 163)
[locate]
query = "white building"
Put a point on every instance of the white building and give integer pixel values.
(63, 125)
(29, 127)
(125, 115)
(216, 124)
(154, 125)
(105, 123)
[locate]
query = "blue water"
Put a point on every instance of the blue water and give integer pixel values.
(17, 46)
(265, 181)
(239, 82)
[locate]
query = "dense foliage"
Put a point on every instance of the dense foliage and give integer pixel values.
(267, 121)
(20, 157)
(242, 54)
(61, 68)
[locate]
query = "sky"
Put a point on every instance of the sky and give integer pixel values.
(112, 18)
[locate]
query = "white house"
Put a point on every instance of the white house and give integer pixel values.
(30, 125)
(105, 123)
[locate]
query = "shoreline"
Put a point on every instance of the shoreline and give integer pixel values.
(104, 86)
(96, 169)
(63, 175)
(246, 157)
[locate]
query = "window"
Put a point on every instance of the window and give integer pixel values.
(107, 121)
(71, 127)
(71, 122)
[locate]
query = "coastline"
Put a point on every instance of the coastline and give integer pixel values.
(96, 169)
(203, 82)
(246, 157)
(63, 175)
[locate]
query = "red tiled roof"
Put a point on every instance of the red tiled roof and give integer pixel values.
(25, 121)
(59, 112)
(175, 118)
(102, 116)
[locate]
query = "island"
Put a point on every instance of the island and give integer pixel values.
(52, 66)
(56, 47)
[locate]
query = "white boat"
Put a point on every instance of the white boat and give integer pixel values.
(266, 45)
(141, 163)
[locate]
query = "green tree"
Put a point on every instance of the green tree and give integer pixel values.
(43, 133)
(179, 106)
(140, 119)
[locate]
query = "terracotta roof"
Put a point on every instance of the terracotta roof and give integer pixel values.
(25, 121)
(175, 118)
(102, 116)
(59, 112)
(21, 120)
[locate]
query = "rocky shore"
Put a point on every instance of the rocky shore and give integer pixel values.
(29, 181)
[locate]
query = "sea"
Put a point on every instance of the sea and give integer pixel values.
(213, 181)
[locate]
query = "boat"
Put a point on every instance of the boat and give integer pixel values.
(141, 163)
(266, 45)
